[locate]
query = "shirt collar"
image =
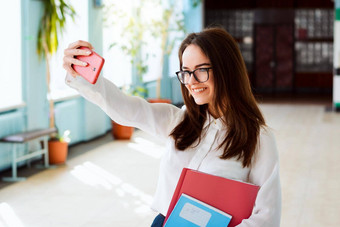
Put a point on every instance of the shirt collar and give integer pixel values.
(212, 122)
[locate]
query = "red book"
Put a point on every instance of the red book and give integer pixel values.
(233, 197)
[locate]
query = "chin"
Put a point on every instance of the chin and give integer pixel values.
(200, 102)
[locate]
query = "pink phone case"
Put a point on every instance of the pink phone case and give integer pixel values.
(92, 70)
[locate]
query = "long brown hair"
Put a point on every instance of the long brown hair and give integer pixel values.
(233, 98)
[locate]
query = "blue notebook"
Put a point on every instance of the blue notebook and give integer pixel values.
(190, 212)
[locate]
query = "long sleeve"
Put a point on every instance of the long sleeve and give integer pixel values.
(156, 119)
(265, 172)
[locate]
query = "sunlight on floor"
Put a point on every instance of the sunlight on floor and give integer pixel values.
(146, 147)
(95, 176)
(8, 217)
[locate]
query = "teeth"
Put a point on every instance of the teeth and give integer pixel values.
(198, 89)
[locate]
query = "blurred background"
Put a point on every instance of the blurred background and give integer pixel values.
(292, 52)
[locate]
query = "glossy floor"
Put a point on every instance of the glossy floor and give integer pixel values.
(111, 183)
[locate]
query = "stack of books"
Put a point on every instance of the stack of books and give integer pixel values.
(205, 200)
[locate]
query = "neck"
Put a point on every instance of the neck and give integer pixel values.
(213, 112)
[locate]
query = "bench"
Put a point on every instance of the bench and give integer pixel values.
(20, 139)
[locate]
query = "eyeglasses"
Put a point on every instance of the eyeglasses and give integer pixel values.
(200, 74)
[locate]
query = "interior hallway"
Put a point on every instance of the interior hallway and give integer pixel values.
(113, 182)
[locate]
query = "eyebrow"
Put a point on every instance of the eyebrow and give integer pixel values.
(197, 66)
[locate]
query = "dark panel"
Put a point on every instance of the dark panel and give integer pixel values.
(314, 4)
(274, 4)
(281, 4)
(223, 4)
(274, 16)
(284, 57)
(314, 80)
(264, 58)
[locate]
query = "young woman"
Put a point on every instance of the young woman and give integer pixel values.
(220, 130)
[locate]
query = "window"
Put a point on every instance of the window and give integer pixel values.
(239, 23)
(74, 30)
(117, 65)
(10, 70)
(152, 13)
(314, 40)
(117, 17)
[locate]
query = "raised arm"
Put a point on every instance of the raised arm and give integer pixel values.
(157, 119)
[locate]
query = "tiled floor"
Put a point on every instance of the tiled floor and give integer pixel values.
(112, 184)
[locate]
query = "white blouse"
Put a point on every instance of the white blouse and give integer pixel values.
(160, 119)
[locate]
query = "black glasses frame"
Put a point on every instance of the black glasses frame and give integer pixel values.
(193, 73)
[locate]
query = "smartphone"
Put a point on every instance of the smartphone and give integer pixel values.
(94, 65)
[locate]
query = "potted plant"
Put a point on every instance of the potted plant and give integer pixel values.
(52, 25)
(58, 148)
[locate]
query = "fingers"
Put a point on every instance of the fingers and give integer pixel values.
(71, 52)
(76, 52)
(67, 65)
(73, 61)
(80, 43)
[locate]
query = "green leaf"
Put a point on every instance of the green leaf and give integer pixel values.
(52, 25)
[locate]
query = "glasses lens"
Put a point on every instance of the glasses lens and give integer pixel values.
(183, 77)
(201, 74)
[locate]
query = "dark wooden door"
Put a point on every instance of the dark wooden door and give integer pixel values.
(274, 69)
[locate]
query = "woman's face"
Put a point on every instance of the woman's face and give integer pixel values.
(193, 58)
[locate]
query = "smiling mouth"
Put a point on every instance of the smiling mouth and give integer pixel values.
(198, 90)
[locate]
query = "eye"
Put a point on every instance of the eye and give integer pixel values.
(201, 70)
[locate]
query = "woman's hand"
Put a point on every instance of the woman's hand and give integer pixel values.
(72, 51)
